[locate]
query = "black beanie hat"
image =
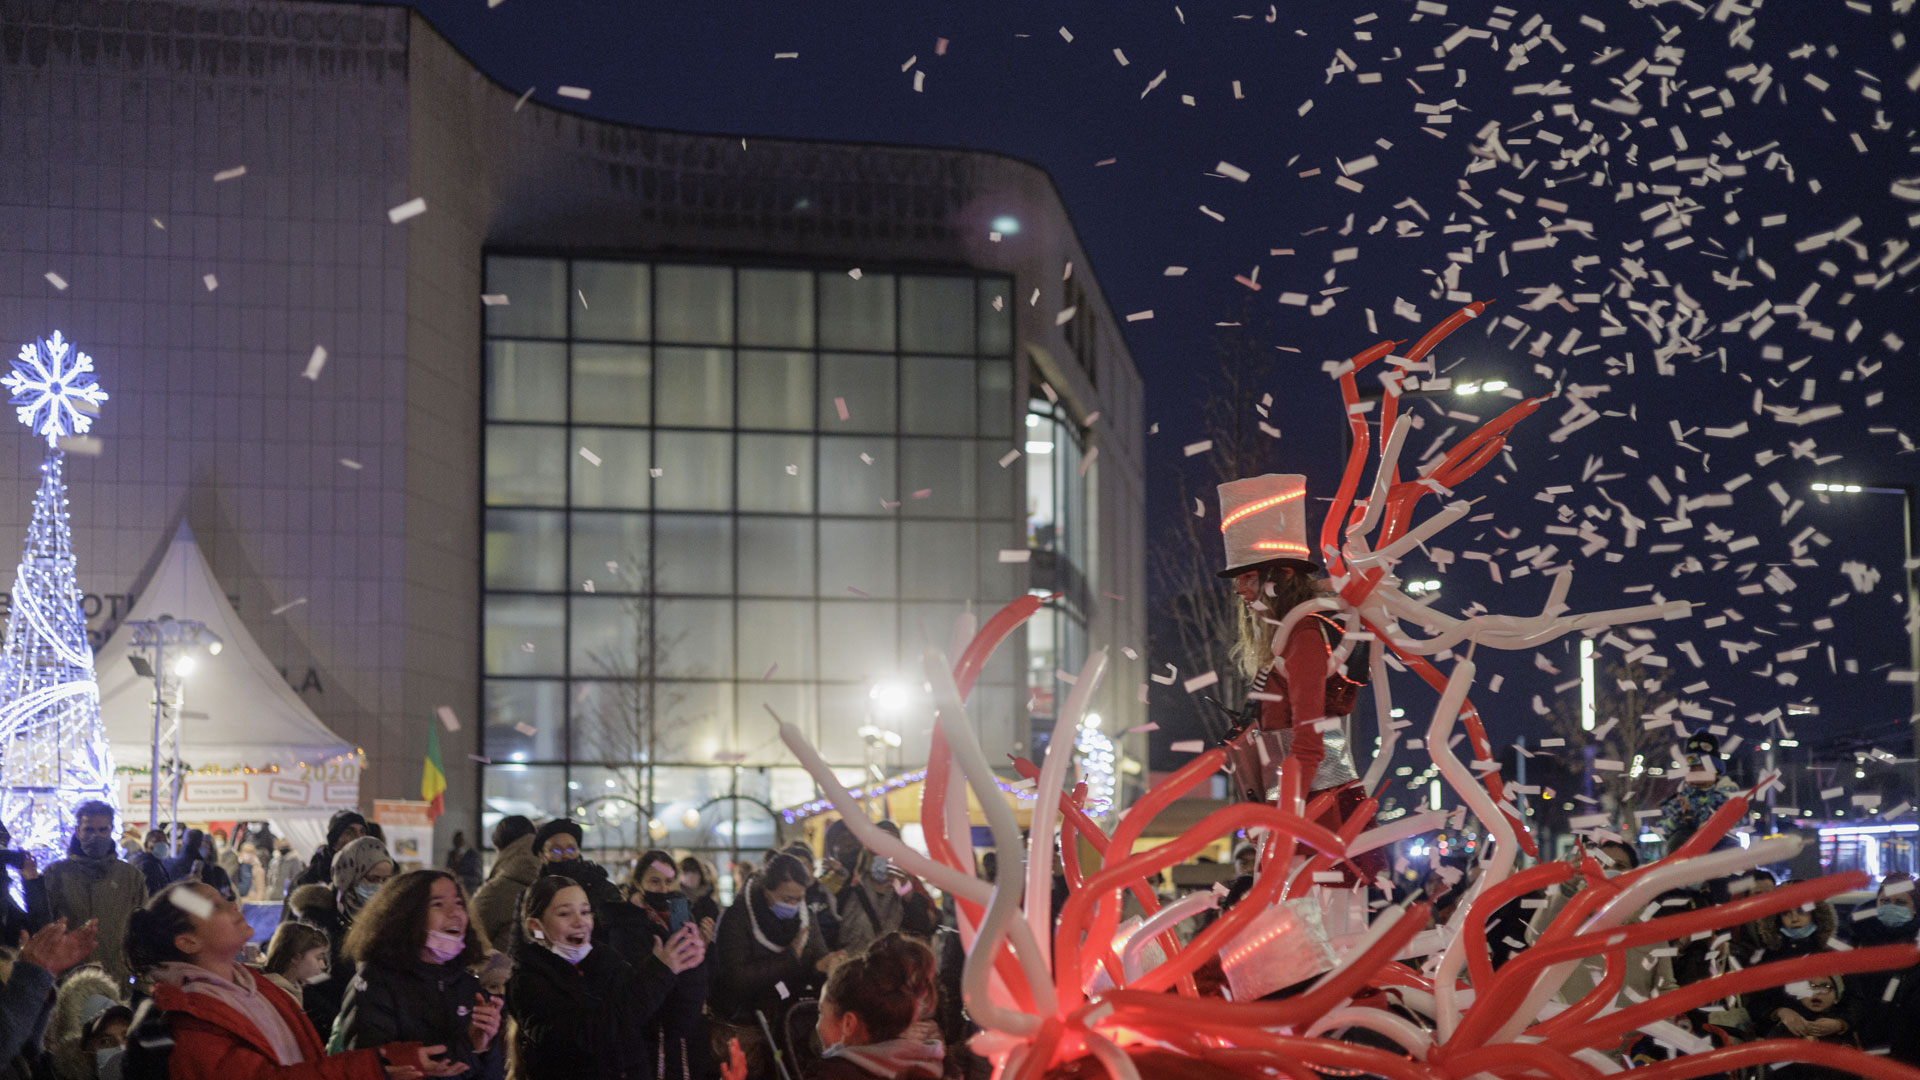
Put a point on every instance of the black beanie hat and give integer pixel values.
(554, 828)
(339, 822)
(1703, 742)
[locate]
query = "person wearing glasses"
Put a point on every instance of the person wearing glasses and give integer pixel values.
(1816, 1010)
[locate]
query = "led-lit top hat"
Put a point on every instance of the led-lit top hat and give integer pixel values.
(1263, 519)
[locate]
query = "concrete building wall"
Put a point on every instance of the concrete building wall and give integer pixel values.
(115, 119)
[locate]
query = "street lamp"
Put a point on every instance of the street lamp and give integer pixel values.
(184, 637)
(1905, 491)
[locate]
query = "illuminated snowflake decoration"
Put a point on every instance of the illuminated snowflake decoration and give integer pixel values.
(48, 391)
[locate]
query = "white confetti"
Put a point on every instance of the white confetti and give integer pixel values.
(314, 363)
(447, 718)
(234, 173)
(578, 93)
(412, 208)
(57, 281)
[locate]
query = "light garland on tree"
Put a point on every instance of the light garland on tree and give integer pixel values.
(53, 750)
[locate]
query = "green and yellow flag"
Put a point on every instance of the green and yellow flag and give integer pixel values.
(433, 777)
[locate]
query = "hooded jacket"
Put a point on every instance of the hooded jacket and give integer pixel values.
(62, 1039)
(212, 1041)
(81, 888)
(494, 903)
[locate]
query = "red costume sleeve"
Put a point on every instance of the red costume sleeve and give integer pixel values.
(1304, 657)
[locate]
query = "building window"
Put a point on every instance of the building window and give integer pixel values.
(1059, 476)
(714, 490)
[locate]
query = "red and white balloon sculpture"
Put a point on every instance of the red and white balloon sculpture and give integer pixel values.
(1048, 994)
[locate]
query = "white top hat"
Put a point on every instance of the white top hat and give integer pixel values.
(1263, 519)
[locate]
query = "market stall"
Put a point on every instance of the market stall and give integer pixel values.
(252, 750)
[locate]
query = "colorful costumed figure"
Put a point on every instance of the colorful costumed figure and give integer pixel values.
(1303, 684)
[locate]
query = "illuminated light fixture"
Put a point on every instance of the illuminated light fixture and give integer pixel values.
(1433, 796)
(1258, 505)
(184, 666)
(1789, 742)
(1865, 830)
(1494, 386)
(1286, 547)
(1850, 489)
(1396, 712)
(1006, 225)
(890, 698)
(1035, 446)
(1467, 389)
(690, 818)
(1587, 708)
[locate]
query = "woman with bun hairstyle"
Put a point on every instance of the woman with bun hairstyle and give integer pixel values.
(876, 1015)
(413, 945)
(228, 1024)
(581, 1011)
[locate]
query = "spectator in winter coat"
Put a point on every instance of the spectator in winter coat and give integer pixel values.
(249, 876)
(226, 1024)
(697, 883)
(360, 870)
(298, 955)
(1800, 931)
(283, 871)
(877, 898)
(876, 1015)
(197, 861)
(464, 863)
(151, 860)
(27, 997)
(515, 866)
(92, 884)
(1645, 971)
(1819, 1012)
(88, 1002)
(343, 828)
(766, 955)
(580, 1011)
(413, 945)
(14, 919)
(655, 916)
(1887, 921)
(559, 843)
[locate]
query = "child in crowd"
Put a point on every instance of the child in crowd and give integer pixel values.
(579, 1011)
(1818, 1012)
(876, 1015)
(227, 1025)
(297, 955)
(412, 945)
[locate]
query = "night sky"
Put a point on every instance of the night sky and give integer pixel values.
(1698, 222)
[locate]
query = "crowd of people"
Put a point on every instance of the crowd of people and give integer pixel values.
(840, 967)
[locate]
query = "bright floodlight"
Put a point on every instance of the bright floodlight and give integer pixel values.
(184, 666)
(1006, 225)
(890, 698)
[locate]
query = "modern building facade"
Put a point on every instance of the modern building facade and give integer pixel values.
(632, 440)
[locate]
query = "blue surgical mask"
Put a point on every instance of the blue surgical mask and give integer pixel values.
(1894, 915)
(879, 867)
(366, 889)
(1798, 933)
(104, 1055)
(783, 911)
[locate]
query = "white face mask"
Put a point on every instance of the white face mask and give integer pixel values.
(318, 977)
(572, 954)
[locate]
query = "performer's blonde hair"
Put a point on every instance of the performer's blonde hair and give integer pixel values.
(1253, 648)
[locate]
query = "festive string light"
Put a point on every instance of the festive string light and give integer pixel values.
(53, 749)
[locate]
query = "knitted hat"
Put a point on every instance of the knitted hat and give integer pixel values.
(340, 822)
(554, 828)
(1263, 519)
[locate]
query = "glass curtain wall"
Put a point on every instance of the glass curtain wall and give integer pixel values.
(718, 491)
(1060, 536)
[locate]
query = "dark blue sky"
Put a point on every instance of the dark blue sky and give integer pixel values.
(1696, 227)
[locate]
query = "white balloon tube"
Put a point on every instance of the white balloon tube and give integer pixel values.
(1446, 977)
(1413, 537)
(1163, 920)
(1629, 903)
(1411, 825)
(1115, 1060)
(1003, 910)
(1046, 812)
(1389, 458)
(1383, 721)
(1411, 1037)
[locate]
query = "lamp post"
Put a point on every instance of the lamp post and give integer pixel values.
(1905, 491)
(182, 637)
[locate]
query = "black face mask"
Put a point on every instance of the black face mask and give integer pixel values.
(659, 901)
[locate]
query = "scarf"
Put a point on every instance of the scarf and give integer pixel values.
(757, 905)
(242, 996)
(894, 1058)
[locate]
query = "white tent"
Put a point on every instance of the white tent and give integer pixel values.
(270, 758)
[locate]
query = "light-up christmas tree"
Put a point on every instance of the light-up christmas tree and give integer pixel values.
(53, 751)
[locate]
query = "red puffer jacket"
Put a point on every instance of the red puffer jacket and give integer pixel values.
(212, 1041)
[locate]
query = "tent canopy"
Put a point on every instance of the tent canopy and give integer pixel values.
(238, 711)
